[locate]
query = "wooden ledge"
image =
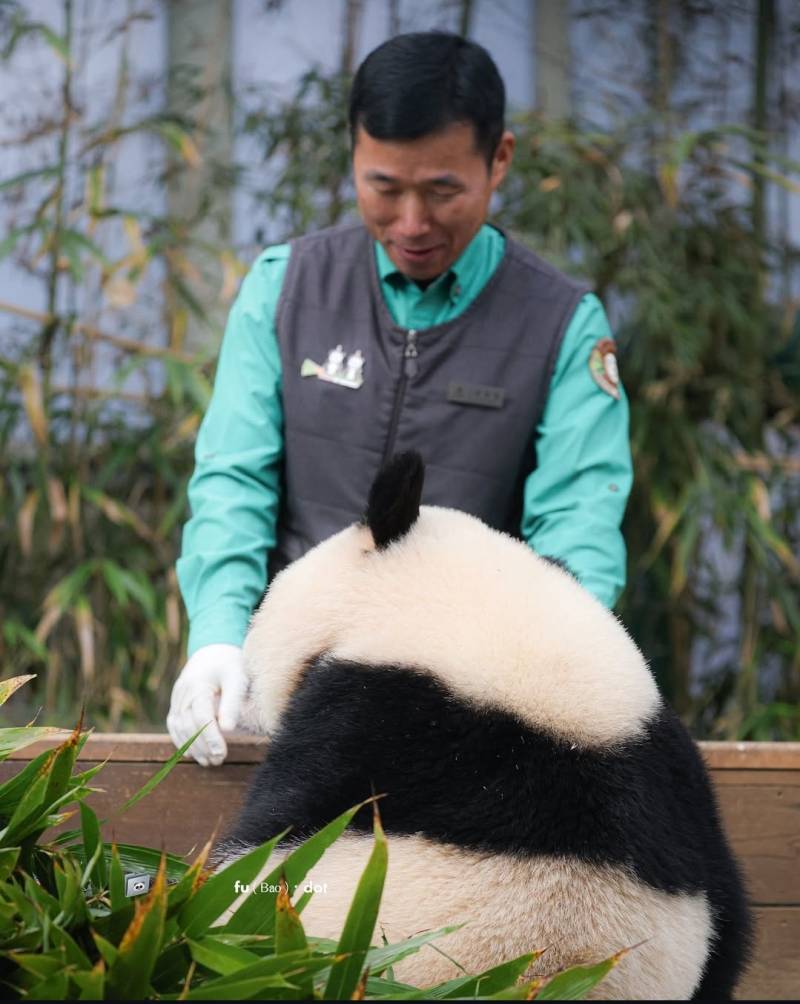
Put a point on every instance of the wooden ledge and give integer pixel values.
(751, 756)
(243, 748)
(147, 747)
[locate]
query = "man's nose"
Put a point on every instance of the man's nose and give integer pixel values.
(413, 220)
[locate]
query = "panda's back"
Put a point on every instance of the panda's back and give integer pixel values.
(482, 778)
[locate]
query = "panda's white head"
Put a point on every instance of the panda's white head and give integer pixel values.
(438, 591)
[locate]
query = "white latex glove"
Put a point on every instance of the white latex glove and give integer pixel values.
(210, 688)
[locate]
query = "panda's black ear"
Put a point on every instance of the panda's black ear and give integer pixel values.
(393, 505)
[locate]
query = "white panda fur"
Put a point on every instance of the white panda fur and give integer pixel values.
(511, 638)
(483, 599)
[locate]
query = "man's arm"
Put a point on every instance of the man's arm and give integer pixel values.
(234, 497)
(575, 499)
(234, 490)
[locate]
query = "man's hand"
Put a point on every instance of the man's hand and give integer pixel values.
(210, 688)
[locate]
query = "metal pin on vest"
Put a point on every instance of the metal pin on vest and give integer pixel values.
(410, 366)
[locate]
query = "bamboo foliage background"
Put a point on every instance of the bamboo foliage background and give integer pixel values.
(668, 222)
(94, 475)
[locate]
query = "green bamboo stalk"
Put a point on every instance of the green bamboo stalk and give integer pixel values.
(50, 329)
(465, 17)
(747, 683)
(765, 31)
(747, 689)
(51, 326)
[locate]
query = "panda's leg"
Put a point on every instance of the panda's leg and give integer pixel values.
(733, 931)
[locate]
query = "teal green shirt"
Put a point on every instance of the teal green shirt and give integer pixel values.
(573, 502)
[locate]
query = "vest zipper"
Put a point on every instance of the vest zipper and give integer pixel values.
(410, 369)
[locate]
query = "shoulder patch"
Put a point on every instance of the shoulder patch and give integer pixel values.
(603, 366)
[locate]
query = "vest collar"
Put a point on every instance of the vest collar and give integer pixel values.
(460, 274)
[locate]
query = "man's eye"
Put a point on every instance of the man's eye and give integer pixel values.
(443, 195)
(390, 192)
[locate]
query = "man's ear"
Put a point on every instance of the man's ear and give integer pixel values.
(503, 156)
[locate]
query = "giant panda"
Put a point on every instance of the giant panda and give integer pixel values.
(537, 787)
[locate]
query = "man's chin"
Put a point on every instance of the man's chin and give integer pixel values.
(422, 268)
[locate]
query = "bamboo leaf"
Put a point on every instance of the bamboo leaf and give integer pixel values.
(11, 240)
(256, 915)
(52, 989)
(8, 861)
(17, 634)
(74, 242)
(63, 762)
(12, 684)
(221, 890)
(84, 625)
(108, 951)
(91, 983)
(129, 974)
(573, 984)
(118, 513)
(192, 880)
(521, 992)
(765, 172)
(31, 389)
(63, 594)
(25, 522)
(115, 581)
(684, 553)
(94, 859)
(95, 189)
(220, 957)
(116, 879)
(290, 937)
(289, 933)
(134, 858)
(18, 738)
(380, 959)
(159, 775)
(275, 972)
(357, 934)
(21, 179)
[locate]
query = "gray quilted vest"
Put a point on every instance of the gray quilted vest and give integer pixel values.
(468, 394)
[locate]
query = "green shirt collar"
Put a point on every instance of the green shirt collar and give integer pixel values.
(463, 273)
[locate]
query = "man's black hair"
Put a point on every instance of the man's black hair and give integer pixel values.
(422, 82)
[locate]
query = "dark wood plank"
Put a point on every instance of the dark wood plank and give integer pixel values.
(763, 825)
(774, 974)
(180, 815)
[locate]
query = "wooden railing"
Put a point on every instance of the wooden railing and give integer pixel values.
(757, 784)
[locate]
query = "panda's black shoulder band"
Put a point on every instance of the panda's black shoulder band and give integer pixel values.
(393, 504)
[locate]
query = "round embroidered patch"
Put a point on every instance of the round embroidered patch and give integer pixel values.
(603, 366)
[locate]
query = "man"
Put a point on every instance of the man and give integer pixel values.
(422, 327)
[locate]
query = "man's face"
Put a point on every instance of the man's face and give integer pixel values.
(425, 199)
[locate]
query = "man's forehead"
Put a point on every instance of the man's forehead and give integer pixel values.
(447, 152)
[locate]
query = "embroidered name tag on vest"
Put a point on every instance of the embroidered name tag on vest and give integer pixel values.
(471, 393)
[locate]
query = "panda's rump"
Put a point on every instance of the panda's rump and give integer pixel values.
(510, 905)
(536, 841)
